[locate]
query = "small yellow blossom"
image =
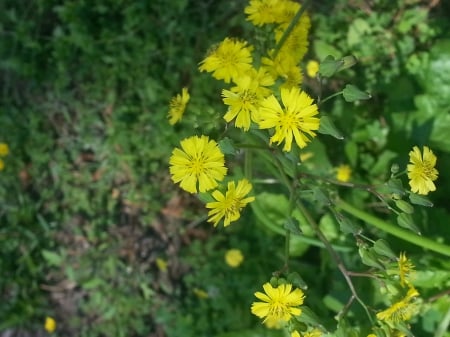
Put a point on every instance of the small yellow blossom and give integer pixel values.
(295, 333)
(312, 68)
(161, 264)
(50, 324)
(4, 149)
(261, 12)
(278, 304)
(198, 165)
(294, 121)
(343, 173)
(177, 106)
(371, 335)
(405, 268)
(421, 171)
(230, 204)
(229, 60)
(234, 257)
(401, 310)
(200, 293)
(313, 333)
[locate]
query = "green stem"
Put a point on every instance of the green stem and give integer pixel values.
(330, 97)
(394, 230)
(290, 28)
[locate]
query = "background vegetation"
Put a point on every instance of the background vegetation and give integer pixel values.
(92, 230)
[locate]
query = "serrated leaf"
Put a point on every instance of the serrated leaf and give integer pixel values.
(327, 127)
(293, 226)
(420, 200)
(351, 94)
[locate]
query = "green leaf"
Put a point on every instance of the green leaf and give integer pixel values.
(420, 200)
(381, 247)
(346, 225)
(369, 258)
(351, 94)
(297, 280)
(52, 258)
(404, 206)
(351, 150)
(327, 127)
(329, 66)
(226, 145)
(406, 221)
(293, 226)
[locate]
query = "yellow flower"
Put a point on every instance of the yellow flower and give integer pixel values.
(297, 42)
(343, 173)
(198, 162)
(161, 264)
(402, 310)
(295, 333)
(200, 293)
(243, 102)
(50, 324)
(293, 77)
(312, 68)
(371, 335)
(234, 257)
(177, 106)
(313, 333)
(261, 12)
(279, 304)
(229, 206)
(405, 267)
(229, 60)
(293, 121)
(421, 171)
(4, 149)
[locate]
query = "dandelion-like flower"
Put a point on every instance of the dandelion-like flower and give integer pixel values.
(405, 268)
(294, 121)
(50, 324)
(177, 106)
(421, 171)
(229, 60)
(278, 304)
(312, 68)
(230, 204)
(343, 173)
(198, 165)
(402, 310)
(261, 12)
(234, 257)
(4, 149)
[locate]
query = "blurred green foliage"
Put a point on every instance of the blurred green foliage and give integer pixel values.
(84, 92)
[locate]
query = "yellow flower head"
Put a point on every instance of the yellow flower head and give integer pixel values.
(313, 333)
(261, 12)
(243, 102)
(401, 310)
(4, 149)
(294, 121)
(278, 304)
(297, 42)
(198, 165)
(229, 60)
(295, 333)
(50, 324)
(343, 173)
(177, 106)
(293, 77)
(421, 171)
(230, 204)
(234, 258)
(312, 68)
(405, 268)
